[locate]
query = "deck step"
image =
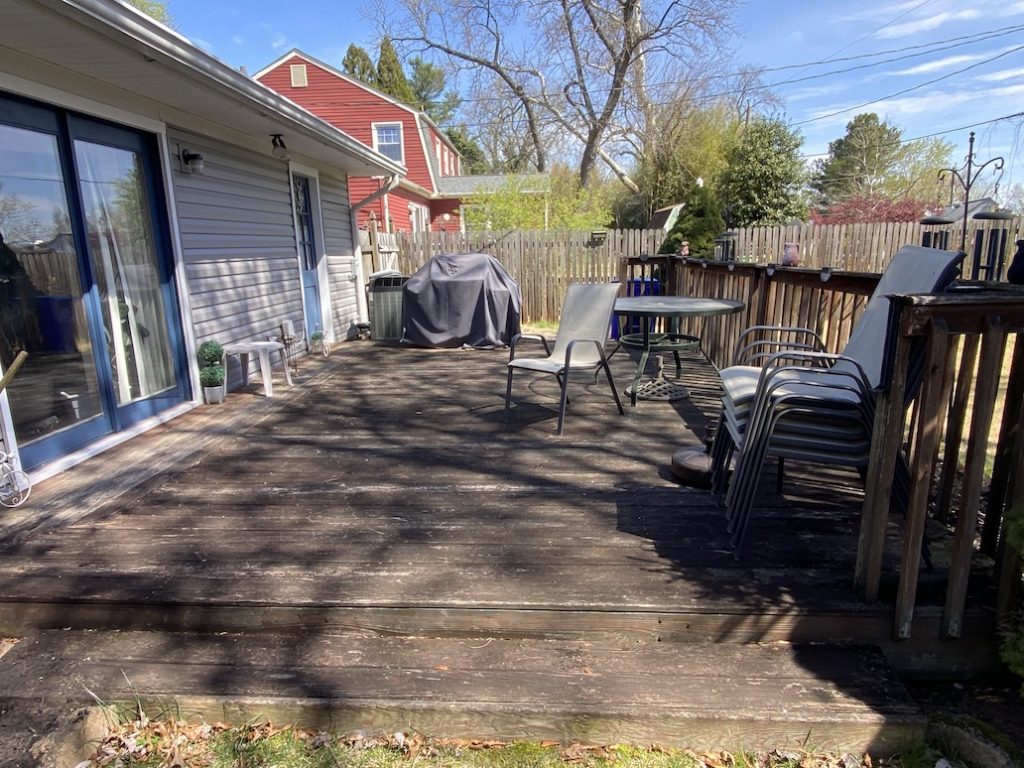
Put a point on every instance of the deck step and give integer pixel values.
(701, 696)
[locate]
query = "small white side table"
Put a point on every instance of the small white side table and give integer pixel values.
(263, 349)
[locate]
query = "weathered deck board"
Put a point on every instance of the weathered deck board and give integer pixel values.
(771, 696)
(387, 494)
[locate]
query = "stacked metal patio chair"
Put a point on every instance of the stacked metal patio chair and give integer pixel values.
(785, 396)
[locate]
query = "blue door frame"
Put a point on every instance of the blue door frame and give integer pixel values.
(70, 131)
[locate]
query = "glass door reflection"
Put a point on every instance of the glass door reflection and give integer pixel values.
(125, 267)
(41, 297)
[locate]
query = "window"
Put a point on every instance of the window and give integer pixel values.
(298, 72)
(387, 139)
(437, 148)
(419, 218)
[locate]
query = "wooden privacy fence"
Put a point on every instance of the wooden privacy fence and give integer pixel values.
(543, 262)
(864, 247)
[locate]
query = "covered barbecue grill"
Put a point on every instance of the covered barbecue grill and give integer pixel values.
(461, 299)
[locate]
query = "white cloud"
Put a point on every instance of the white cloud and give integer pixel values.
(278, 41)
(206, 45)
(238, 40)
(926, 23)
(1003, 74)
(815, 92)
(937, 65)
(880, 12)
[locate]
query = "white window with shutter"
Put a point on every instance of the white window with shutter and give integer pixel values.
(299, 79)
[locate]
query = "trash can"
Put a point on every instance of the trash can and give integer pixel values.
(637, 286)
(385, 305)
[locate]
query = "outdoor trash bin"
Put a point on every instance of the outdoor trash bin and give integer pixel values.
(385, 305)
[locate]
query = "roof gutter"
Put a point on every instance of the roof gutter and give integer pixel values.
(125, 20)
(357, 251)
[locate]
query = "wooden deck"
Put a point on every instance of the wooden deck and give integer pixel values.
(387, 494)
(384, 508)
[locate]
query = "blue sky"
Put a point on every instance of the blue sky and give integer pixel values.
(976, 75)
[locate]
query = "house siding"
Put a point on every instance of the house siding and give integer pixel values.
(237, 243)
(353, 110)
(438, 208)
(339, 252)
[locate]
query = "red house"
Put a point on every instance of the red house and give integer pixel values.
(427, 198)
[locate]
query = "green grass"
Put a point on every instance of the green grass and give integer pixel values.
(149, 744)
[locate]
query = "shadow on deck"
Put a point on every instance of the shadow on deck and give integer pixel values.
(378, 548)
(386, 494)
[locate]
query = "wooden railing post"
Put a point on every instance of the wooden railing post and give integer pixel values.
(992, 346)
(886, 436)
(955, 425)
(930, 415)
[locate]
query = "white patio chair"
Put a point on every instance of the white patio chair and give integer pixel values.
(785, 396)
(579, 345)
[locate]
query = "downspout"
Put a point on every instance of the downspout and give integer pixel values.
(357, 258)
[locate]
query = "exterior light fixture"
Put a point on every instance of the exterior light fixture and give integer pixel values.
(278, 148)
(192, 162)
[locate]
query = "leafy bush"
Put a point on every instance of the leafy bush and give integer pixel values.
(211, 375)
(1012, 648)
(210, 353)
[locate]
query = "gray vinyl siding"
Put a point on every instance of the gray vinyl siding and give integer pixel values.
(338, 247)
(238, 242)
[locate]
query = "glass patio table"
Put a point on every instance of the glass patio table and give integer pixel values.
(672, 308)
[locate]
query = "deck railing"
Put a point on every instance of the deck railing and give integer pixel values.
(829, 301)
(967, 335)
(985, 319)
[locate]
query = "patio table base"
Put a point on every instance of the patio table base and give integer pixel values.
(658, 389)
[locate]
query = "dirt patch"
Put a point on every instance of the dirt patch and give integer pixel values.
(992, 708)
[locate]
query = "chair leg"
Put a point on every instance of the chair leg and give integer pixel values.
(565, 400)
(508, 396)
(615, 392)
(719, 450)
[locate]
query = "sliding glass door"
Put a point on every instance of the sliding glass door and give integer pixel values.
(85, 280)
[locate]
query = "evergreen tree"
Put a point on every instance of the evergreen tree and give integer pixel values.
(763, 181)
(390, 76)
(473, 160)
(872, 161)
(699, 223)
(358, 64)
(427, 82)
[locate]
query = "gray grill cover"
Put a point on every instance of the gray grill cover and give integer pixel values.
(461, 299)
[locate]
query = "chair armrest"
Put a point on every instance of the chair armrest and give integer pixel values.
(767, 338)
(530, 337)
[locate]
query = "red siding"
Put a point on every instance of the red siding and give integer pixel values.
(352, 109)
(438, 208)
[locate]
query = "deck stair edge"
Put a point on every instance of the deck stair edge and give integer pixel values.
(700, 696)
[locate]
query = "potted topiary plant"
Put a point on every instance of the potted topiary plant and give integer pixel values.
(317, 343)
(211, 371)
